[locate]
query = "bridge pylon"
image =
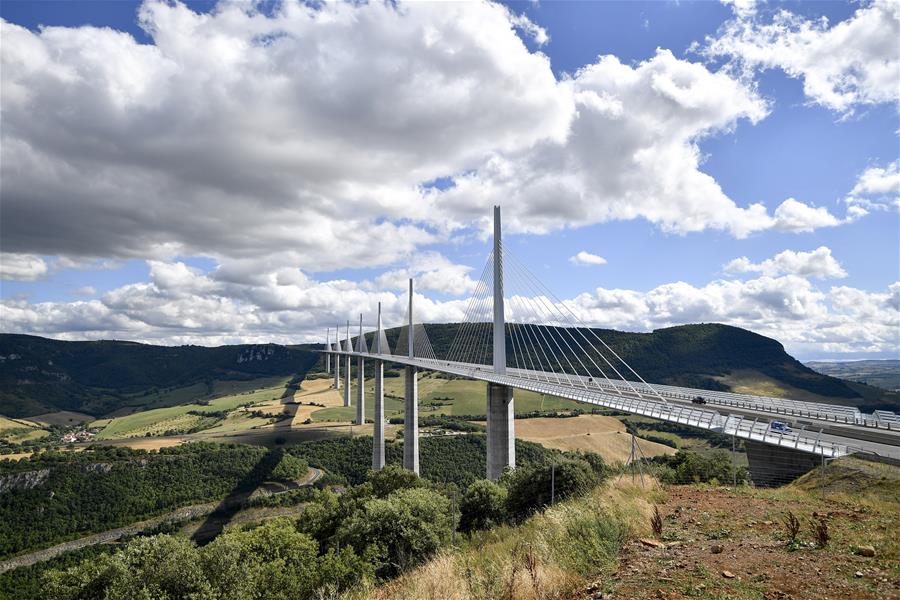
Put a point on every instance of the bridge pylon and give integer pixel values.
(411, 415)
(378, 432)
(337, 358)
(501, 433)
(347, 348)
(361, 380)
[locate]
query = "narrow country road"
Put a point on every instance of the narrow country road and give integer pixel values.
(185, 513)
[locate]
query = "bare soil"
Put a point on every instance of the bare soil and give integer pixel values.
(721, 543)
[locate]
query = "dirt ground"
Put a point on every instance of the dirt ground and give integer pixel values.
(597, 433)
(731, 544)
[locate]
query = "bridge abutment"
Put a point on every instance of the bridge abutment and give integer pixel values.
(771, 466)
(378, 435)
(501, 430)
(411, 422)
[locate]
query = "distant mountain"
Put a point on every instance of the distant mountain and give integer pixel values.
(39, 375)
(881, 373)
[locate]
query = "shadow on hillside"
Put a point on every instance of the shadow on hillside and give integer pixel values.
(217, 520)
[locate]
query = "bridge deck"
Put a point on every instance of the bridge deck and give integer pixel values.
(650, 401)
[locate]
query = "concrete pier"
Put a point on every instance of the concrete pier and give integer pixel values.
(378, 434)
(360, 391)
(347, 381)
(411, 422)
(501, 430)
(337, 372)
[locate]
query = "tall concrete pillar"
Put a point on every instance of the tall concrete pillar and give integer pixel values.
(501, 434)
(337, 359)
(378, 434)
(411, 417)
(501, 422)
(347, 381)
(361, 391)
(411, 422)
(347, 348)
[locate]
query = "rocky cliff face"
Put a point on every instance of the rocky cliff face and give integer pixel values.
(23, 481)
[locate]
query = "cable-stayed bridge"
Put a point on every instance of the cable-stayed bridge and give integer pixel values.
(531, 340)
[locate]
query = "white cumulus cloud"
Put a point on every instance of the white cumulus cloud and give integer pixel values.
(587, 259)
(22, 267)
(818, 263)
(851, 63)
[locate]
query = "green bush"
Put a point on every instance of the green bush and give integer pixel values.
(483, 506)
(272, 561)
(405, 529)
(532, 488)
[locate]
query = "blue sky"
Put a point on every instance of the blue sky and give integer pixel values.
(164, 248)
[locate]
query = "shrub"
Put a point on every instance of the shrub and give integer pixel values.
(405, 529)
(532, 488)
(483, 506)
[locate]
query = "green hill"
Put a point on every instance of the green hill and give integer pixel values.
(39, 375)
(706, 356)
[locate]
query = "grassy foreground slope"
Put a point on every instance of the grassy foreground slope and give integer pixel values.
(715, 543)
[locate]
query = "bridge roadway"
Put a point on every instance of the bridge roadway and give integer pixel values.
(821, 437)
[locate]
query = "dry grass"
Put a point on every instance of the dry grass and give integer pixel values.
(749, 381)
(318, 391)
(551, 556)
(596, 433)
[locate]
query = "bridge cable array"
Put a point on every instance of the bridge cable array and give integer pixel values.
(545, 339)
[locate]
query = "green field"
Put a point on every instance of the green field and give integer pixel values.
(438, 396)
(19, 430)
(159, 420)
(192, 393)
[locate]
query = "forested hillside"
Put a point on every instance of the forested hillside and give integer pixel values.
(39, 375)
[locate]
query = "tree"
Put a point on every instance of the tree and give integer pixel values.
(290, 468)
(392, 478)
(482, 506)
(532, 488)
(406, 528)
